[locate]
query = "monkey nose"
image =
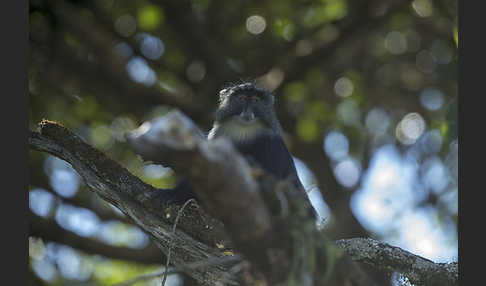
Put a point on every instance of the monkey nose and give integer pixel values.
(247, 115)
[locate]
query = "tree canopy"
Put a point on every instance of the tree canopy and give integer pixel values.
(366, 92)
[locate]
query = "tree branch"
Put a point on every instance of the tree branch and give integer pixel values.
(282, 242)
(418, 270)
(133, 197)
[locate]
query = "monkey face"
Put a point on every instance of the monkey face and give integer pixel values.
(248, 108)
(245, 111)
(246, 104)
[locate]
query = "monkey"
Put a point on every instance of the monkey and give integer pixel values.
(246, 116)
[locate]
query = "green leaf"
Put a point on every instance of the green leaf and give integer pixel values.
(308, 129)
(149, 17)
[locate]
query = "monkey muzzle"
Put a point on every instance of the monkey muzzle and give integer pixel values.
(247, 116)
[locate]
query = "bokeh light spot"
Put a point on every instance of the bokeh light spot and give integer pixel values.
(336, 145)
(348, 112)
(140, 72)
(396, 43)
(82, 221)
(410, 128)
(40, 202)
(62, 177)
(423, 8)
(431, 98)
(45, 270)
(431, 142)
(126, 25)
(347, 172)
(377, 121)
(196, 71)
(102, 137)
(303, 48)
(119, 234)
(343, 87)
(151, 47)
(256, 24)
(149, 17)
(435, 174)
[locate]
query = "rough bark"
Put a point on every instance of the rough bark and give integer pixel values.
(418, 270)
(134, 198)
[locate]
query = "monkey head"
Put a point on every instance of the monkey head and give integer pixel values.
(244, 112)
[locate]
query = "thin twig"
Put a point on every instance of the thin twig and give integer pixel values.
(171, 243)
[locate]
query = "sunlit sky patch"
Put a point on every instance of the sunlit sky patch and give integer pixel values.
(82, 221)
(69, 262)
(385, 204)
(420, 232)
(347, 172)
(435, 174)
(140, 72)
(63, 178)
(431, 98)
(336, 145)
(45, 269)
(155, 171)
(41, 202)
(151, 47)
(119, 234)
(386, 190)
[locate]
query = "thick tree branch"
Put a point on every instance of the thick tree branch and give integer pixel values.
(116, 185)
(215, 168)
(418, 270)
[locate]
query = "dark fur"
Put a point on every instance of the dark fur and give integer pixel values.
(270, 153)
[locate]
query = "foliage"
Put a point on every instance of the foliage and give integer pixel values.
(381, 73)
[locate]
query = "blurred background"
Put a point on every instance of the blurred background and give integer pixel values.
(366, 92)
